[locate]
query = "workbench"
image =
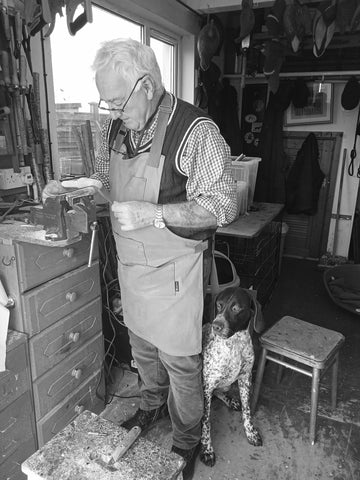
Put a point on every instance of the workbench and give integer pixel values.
(252, 242)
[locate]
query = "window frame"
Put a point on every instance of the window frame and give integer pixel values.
(149, 29)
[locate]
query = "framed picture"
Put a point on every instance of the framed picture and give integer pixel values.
(318, 110)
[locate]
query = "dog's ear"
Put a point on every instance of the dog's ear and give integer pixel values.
(257, 322)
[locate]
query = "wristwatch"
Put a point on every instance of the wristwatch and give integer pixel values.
(159, 219)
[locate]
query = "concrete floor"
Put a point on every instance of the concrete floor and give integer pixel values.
(282, 414)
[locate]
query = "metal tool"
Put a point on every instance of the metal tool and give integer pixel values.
(67, 215)
(109, 462)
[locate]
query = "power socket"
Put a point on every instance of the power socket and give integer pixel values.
(10, 179)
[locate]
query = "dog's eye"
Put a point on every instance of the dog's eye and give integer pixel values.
(218, 306)
(236, 308)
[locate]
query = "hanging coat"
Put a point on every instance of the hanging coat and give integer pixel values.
(305, 179)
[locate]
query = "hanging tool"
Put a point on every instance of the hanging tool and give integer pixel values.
(85, 17)
(339, 202)
(353, 151)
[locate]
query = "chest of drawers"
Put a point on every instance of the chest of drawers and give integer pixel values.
(17, 423)
(58, 305)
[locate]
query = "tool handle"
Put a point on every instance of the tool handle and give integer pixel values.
(5, 67)
(124, 446)
(94, 227)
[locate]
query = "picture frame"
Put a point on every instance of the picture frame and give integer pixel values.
(318, 110)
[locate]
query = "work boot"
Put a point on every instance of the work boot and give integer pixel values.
(145, 418)
(189, 456)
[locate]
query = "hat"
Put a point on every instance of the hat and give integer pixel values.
(274, 20)
(324, 26)
(345, 14)
(208, 43)
(355, 22)
(274, 56)
(301, 93)
(351, 94)
(296, 23)
(247, 20)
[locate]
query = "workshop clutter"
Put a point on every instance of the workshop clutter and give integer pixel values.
(244, 170)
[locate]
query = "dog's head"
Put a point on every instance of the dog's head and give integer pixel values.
(235, 308)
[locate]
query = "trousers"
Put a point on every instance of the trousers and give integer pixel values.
(176, 380)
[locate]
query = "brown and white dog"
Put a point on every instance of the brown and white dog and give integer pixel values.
(228, 356)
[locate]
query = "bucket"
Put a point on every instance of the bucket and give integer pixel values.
(223, 275)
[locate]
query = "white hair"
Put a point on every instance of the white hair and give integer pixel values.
(130, 58)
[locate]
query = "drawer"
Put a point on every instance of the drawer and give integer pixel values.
(11, 468)
(14, 381)
(37, 263)
(16, 426)
(45, 305)
(84, 398)
(57, 342)
(52, 387)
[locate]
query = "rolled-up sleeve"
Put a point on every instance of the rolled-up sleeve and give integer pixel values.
(207, 164)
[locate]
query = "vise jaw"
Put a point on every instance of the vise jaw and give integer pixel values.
(67, 215)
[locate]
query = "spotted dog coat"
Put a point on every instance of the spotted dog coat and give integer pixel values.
(228, 356)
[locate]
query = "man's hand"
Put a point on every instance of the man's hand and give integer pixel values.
(134, 215)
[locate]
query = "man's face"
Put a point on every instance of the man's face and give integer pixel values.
(115, 91)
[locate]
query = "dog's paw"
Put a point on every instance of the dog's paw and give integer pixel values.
(207, 456)
(254, 438)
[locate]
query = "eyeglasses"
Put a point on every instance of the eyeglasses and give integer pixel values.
(120, 110)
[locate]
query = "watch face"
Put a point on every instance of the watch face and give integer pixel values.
(159, 223)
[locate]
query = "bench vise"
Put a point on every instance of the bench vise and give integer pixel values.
(67, 215)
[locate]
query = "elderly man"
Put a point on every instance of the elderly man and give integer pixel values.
(167, 169)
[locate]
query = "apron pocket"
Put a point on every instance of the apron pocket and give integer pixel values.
(129, 250)
(135, 189)
(149, 281)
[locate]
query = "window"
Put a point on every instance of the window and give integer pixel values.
(165, 51)
(76, 95)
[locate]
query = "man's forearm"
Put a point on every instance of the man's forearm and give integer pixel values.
(188, 214)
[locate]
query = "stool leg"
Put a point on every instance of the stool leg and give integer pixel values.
(314, 402)
(280, 371)
(334, 381)
(258, 380)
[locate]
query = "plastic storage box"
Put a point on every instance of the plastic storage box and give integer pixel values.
(245, 170)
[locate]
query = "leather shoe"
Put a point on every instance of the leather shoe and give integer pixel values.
(190, 457)
(145, 418)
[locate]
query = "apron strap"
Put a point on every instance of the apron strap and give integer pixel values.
(165, 110)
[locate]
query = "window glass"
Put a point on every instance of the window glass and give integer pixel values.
(76, 95)
(165, 55)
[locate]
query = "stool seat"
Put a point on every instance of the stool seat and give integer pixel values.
(301, 342)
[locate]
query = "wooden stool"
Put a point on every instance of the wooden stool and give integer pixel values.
(304, 343)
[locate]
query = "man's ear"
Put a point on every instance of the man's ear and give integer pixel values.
(148, 86)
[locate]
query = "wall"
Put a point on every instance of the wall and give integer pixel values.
(343, 121)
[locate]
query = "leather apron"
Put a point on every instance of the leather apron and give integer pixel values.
(160, 272)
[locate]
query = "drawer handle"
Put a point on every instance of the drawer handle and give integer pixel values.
(76, 373)
(68, 252)
(74, 336)
(79, 409)
(71, 296)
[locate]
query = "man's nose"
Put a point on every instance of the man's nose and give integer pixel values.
(114, 114)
